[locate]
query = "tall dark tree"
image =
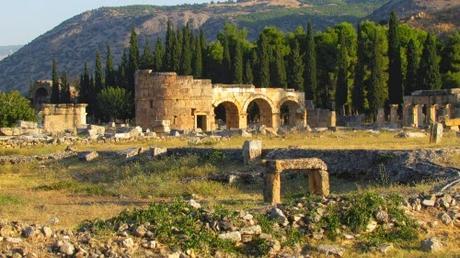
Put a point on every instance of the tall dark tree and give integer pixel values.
(429, 77)
(227, 62)
(204, 47)
(310, 66)
(186, 59)
(341, 97)
(248, 72)
(147, 59)
(177, 51)
(377, 90)
(98, 74)
(296, 67)
(55, 87)
(278, 70)
(109, 70)
(412, 66)
(65, 90)
(198, 58)
(87, 92)
(359, 93)
(237, 64)
(122, 79)
(395, 79)
(133, 61)
(158, 64)
(169, 48)
(263, 57)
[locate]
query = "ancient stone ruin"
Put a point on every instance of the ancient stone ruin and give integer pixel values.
(187, 104)
(58, 118)
(318, 177)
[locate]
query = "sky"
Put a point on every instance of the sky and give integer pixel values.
(21, 21)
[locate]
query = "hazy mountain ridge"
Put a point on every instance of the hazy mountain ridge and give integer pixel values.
(8, 50)
(75, 41)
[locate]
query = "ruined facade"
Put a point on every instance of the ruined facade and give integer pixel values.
(40, 93)
(58, 118)
(426, 107)
(189, 103)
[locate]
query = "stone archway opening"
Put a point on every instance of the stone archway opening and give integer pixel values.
(259, 112)
(40, 97)
(289, 114)
(226, 114)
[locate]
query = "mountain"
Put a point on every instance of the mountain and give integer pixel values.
(416, 11)
(8, 50)
(75, 41)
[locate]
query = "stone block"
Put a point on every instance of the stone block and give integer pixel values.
(27, 124)
(156, 152)
(130, 153)
(436, 133)
(88, 156)
(252, 151)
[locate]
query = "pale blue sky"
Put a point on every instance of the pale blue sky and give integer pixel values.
(23, 20)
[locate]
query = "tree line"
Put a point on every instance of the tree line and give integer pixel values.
(345, 68)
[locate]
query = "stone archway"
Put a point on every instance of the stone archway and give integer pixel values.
(289, 113)
(259, 112)
(226, 113)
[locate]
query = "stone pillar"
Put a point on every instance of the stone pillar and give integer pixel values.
(431, 114)
(394, 117)
(243, 121)
(415, 119)
(448, 109)
(276, 120)
(272, 189)
(380, 117)
(318, 182)
(436, 133)
(332, 119)
(252, 151)
(420, 116)
(406, 116)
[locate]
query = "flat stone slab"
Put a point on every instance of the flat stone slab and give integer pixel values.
(88, 156)
(289, 164)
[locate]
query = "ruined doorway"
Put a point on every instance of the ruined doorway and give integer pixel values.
(201, 122)
(289, 114)
(40, 97)
(259, 112)
(226, 114)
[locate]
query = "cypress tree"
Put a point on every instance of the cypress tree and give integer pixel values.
(147, 61)
(65, 91)
(198, 59)
(310, 66)
(395, 81)
(109, 71)
(278, 70)
(411, 74)
(238, 63)
(177, 51)
(248, 74)
(377, 91)
(122, 70)
(55, 88)
(429, 77)
(159, 56)
(169, 49)
(84, 86)
(133, 61)
(204, 46)
(341, 97)
(227, 62)
(296, 68)
(359, 94)
(264, 61)
(186, 60)
(98, 74)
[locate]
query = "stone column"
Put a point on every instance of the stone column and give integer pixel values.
(318, 182)
(431, 114)
(380, 117)
(414, 118)
(332, 119)
(406, 116)
(272, 188)
(394, 117)
(449, 112)
(243, 121)
(252, 151)
(276, 120)
(436, 133)
(420, 116)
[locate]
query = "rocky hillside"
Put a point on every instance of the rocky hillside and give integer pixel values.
(76, 40)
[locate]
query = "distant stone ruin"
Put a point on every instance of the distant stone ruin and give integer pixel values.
(58, 118)
(187, 104)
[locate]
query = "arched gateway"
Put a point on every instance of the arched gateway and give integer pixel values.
(187, 103)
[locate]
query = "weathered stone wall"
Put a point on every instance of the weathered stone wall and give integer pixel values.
(189, 103)
(58, 118)
(321, 118)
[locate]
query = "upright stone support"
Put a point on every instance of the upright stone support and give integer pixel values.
(380, 117)
(415, 113)
(394, 116)
(431, 112)
(318, 177)
(252, 151)
(420, 116)
(332, 119)
(436, 133)
(276, 120)
(406, 116)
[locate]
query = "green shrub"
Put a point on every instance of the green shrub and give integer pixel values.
(362, 208)
(14, 107)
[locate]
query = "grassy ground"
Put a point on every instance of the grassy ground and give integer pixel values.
(74, 191)
(325, 140)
